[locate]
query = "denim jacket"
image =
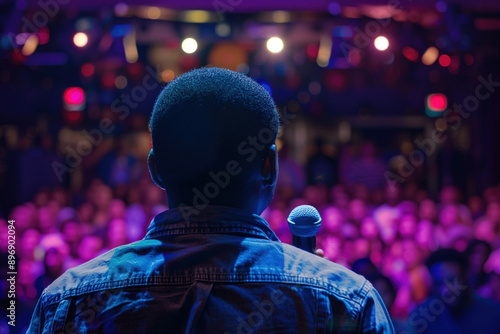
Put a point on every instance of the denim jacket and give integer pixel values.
(223, 271)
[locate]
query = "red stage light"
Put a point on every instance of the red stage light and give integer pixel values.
(43, 35)
(108, 80)
(444, 60)
(410, 53)
(437, 102)
(87, 69)
(312, 51)
(74, 95)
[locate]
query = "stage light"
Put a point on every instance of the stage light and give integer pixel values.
(87, 69)
(167, 75)
(189, 45)
(74, 99)
(121, 30)
(430, 56)
(22, 38)
(121, 9)
(153, 13)
(343, 31)
(197, 16)
(344, 132)
(410, 53)
(281, 16)
(435, 104)
(74, 95)
(18, 57)
(130, 47)
(381, 43)
(80, 39)
(354, 57)
(267, 86)
(222, 29)
(43, 35)
(334, 8)
(83, 24)
(30, 45)
(312, 51)
(444, 60)
(324, 52)
(275, 44)
(121, 82)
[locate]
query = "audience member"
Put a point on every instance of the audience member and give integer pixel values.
(384, 227)
(452, 306)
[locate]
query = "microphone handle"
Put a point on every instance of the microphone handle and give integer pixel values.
(305, 243)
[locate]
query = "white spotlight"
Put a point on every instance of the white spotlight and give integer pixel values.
(189, 45)
(80, 39)
(275, 44)
(381, 43)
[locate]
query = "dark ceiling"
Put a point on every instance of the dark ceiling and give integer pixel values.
(260, 5)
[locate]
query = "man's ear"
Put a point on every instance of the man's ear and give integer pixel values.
(270, 168)
(153, 170)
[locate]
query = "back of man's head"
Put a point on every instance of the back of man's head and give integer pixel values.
(205, 119)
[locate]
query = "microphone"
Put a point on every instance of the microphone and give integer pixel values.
(304, 222)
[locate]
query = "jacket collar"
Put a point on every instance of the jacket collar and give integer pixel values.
(209, 220)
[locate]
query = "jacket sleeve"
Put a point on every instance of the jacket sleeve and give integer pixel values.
(375, 318)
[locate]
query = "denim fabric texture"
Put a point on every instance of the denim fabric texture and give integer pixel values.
(223, 271)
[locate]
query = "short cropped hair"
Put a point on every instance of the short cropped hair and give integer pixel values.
(204, 119)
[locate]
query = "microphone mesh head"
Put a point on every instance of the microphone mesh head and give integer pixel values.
(304, 221)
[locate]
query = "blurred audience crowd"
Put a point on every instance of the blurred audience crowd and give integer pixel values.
(384, 231)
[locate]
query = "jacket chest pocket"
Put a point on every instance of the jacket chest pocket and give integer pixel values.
(59, 325)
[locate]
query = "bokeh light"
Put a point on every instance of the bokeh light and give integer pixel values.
(281, 16)
(80, 39)
(153, 13)
(30, 45)
(444, 60)
(275, 44)
(87, 69)
(74, 95)
(381, 43)
(167, 75)
(334, 8)
(430, 56)
(121, 82)
(437, 102)
(410, 53)
(189, 45)
(223, 29)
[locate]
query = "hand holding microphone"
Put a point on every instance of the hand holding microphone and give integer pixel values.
(304, 222)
